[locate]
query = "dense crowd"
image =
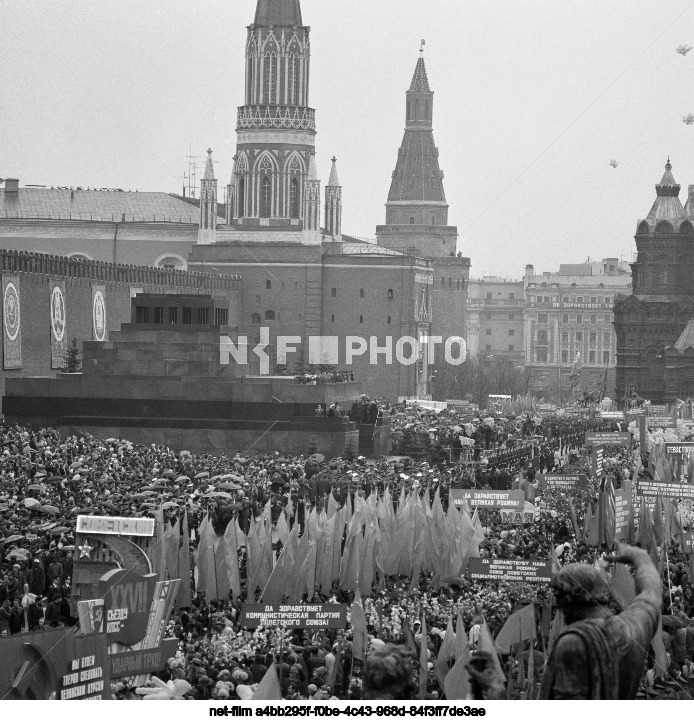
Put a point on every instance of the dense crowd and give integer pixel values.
(47, 480)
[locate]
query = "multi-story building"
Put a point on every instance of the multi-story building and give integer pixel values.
(495, 322)
(568, 327)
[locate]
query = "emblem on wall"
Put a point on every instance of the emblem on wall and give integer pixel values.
(58, 320)
(11, 315)
(98, 312)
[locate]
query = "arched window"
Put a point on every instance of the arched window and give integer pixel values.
(416, 109)
(255, 319)
(333, 292)
(241, 203)
(443, 282)
(268, 285)
(265, 197)
(388, 320)
(270, 77)
(293, 69)
(294, 198)
(426, 110)
(390, 294)
(269, 315)
(361, 318)
(411, 221)
(433, 217)
(361, 292)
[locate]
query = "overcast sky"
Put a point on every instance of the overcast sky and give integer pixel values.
(533, 98)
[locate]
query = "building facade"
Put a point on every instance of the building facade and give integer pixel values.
(654, 354)
(495, 318)
(568, 328)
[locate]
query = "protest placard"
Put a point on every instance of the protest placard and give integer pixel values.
(488, 499)
(498, 569)
(306, 615)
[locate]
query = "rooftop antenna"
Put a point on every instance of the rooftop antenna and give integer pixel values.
(421, 47)
(192, 172)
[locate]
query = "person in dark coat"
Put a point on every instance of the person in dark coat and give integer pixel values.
(35, 614)
(53, 612)
(38, 579)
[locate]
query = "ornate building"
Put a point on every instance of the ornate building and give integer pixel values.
(274, 183)
(649, 323)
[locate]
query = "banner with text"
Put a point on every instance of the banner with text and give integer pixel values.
(11, 322)
(557, 480)
(661, 422)
(56, 664)
(502, 569)
(623, 508)
(607, 438)
(58, 319)
(681, 459)
(488, 499)
(306, 615)
(651, 489)
(597, 461)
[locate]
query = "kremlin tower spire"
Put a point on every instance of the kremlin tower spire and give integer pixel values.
(416, 210)
(207, 229)
(275, 127)
(333, 205)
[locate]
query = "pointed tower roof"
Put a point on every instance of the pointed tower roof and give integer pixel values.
(209, 170)
(417, 176)
(333, 173)
(686, 339)
(667, 204)
(278, 12)
(420, 81)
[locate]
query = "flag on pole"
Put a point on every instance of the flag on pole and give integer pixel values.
(519, 627)
(359, 634)
(457, 681)
(269, 687)
(446, 653)
(184, 598)
(423, 660)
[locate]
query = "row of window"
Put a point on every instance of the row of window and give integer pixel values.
(200, 316)
(459, 284)
(489, 347)
(511, 296)
(489, 332)
(592, 299)
(541, 356)
(256, 318)
(578, 318)
(511, 316)
(362, 293)
(593, 337)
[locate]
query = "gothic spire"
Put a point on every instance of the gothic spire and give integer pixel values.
(209, 170)
(420, 81)
(333, 173)
(281, 13)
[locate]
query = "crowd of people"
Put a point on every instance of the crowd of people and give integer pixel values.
(47, 480)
